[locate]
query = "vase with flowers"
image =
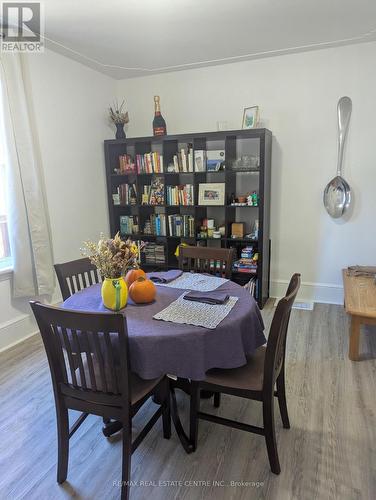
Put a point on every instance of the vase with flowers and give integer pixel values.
(119, 117)
(113, 258)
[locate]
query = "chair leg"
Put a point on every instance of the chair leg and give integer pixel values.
(62, 443)
(166, 413)
(271, 443)
(126, 463)
(281, 391)
(217, 399)
(194, 409)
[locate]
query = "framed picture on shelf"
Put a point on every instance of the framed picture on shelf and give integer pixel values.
(250, 117)
(211, 194)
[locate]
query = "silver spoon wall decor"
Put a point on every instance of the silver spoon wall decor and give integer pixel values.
(337, 194)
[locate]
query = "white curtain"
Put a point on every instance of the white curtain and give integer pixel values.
(30, 239)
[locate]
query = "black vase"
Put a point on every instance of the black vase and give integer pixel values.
(120, 134)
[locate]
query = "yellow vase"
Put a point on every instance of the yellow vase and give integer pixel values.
(114, 293)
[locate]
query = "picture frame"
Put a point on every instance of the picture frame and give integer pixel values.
(250, 117)
(211, 194)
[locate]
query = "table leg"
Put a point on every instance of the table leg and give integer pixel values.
(354, 338)
(184, 385)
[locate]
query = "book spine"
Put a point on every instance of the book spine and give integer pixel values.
(176, 163)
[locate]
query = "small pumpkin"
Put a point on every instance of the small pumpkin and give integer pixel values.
(142, 291)
(133, 274)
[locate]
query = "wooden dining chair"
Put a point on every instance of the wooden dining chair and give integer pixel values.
(75, 275)
(102, 384)
(256, 380)
(206, 260)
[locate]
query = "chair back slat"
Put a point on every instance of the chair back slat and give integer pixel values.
(87, 352)
(61, 355)
(69, 354)
(76, 275)
(90, 363)
(207, 260)
(98, 356)
(276, 346)
(112, 378)
(78, 351)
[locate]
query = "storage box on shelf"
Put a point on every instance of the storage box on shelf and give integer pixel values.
(153, 194)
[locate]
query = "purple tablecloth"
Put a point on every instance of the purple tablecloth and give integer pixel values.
(159, 347)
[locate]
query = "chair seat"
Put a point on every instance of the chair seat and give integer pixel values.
(248, 377)
(139, 386)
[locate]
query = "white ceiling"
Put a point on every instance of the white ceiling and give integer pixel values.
(128, 38)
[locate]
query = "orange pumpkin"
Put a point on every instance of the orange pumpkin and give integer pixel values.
(142, 291)
(133, 274)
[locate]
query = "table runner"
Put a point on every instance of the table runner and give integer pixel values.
(196, 313)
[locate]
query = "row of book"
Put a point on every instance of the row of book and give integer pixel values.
(126, 195)
(129, 224)
(245, 266)
(154, 253)
(149, 163)
(180, 195)
(155, 225)
(181, 225)
(183, 160)
(210, 161)
(247, 262)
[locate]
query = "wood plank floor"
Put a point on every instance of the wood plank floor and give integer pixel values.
(329, 452)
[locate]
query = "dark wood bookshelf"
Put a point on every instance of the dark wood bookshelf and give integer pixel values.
(236, 143)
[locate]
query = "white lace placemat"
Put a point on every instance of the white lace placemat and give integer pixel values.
(195, 281)
(196, 313)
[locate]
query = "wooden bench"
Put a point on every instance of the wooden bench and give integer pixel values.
(360, 303)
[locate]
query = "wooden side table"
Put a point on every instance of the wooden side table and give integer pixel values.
(360, 303)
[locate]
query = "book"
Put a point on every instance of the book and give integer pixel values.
(215, 160)
(128, 225)
(180, 195)
(155, 225)
(154, 253)
(181, 225)
(127, 194)
(190, 159)
(200, 160)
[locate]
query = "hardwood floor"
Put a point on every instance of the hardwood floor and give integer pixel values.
(329, 452)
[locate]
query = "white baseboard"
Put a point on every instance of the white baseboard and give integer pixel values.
(14, 331)
(19, 329)
(325, 293)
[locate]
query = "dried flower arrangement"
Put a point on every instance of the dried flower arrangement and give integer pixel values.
(113, 257)
(117, 114)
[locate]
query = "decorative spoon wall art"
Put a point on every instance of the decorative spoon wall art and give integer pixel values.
(337, 194)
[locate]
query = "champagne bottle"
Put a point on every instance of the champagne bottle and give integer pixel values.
(159, 124)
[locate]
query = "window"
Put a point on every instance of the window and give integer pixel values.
(5, 257)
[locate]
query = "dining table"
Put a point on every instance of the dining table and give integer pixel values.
(185, 352)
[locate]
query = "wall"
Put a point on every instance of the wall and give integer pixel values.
(69, 110)
(297, 95)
